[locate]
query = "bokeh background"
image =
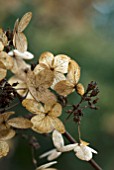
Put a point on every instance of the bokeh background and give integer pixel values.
(84, 30)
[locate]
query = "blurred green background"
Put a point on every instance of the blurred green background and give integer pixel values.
(84, 30)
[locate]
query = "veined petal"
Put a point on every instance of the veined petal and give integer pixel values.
(3, 71)
(57, 78)
(7, 134)
(38, 68)
(47, 59)
(58, 125)
(46, 97)
(61, 62)
(56, 110)
(20, 123)
(58, 140)
(64, 87)
(33, 106)
(45, 78)
(73, 72)
(42, 124)
(4, 149)
(21, 42)
(6, 60)
(4, 116)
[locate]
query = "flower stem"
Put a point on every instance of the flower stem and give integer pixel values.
(72, 140)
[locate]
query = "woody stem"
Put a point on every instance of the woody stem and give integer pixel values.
(72, 140)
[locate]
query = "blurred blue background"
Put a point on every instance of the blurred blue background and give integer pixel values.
(84, 30)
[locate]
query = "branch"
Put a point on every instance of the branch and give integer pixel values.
(72, 140)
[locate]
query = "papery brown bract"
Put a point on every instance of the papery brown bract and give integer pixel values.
(19, 39)
(65, 87)
(46, 118)
(3, 71)
(4, 148)
(38, 86)
(57, 64)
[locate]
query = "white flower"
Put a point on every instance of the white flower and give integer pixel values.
(45, 166)
(84, 152)
(58, 142)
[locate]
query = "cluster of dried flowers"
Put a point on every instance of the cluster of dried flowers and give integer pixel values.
(42, 89)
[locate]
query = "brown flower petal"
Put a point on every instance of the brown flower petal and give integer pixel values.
(3, 71)
(20, 42)
(7, 134)
(3, 37)
(20, 122)
(73, 72)
(80, 89)
(24, 21)
(4, 149)
(58, 125)
(61, 62)
(56, 110)
(42, 123)
(47, 59)
(64, 87)
(5, 116)
(38, 85)
(6, 59)
(33, 106)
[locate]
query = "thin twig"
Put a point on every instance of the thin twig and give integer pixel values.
(91, 162)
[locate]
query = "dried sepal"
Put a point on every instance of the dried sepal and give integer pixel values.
(4, 148)
(1, 46)
(24, 21)
(64, 87)
(58, 65)
(3, 71)
(73, 72)
(80, 89)
(20, 123)
(7, 60)
(38, 86)
(3, 37)
(33, 106)
(5, 116)
(20, 42)
(19, 39)
(7, 134)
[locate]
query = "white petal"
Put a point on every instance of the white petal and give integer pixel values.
(46, 165)
(54, 155)
(92, 150)
(47, 153)
(83, 152)
(67, 147)
(58, 140)
(25, 55)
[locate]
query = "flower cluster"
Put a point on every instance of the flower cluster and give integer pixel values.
(38, 89)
